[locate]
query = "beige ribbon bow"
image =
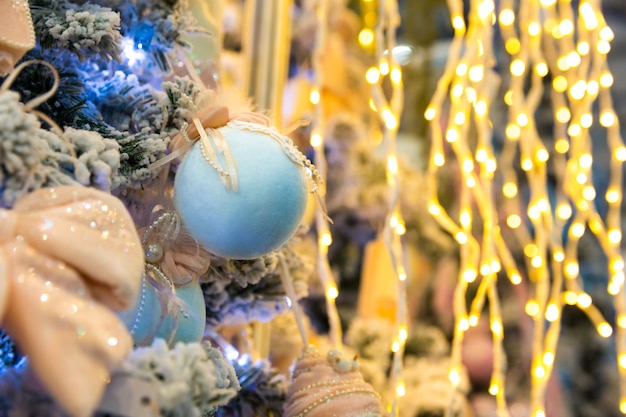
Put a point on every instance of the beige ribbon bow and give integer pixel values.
(68, 257)
(205, 129)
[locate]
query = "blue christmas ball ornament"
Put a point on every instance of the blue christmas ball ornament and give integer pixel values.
(260, 209)
(153, 316)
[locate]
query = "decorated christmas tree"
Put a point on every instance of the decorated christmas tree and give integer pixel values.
(197, 198)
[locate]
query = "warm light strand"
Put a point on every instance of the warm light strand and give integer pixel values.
(389, 109)
(545, 38)
(324, 270)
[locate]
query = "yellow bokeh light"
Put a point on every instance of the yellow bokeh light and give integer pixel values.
(548, 358)
(541, 69)
(481, 107)
(606, 34)
(607, 119)
(574, 130)
(455, 377)
(561, 145)
(518, 67)
(564, 211)
(316, 140)
(589, 193)
(383, 67)
(461, 69)
(434, 209)
(603, 47)
(508, 97)
(326, 239)
(573, 59)
(606, 79)
(496, 327)
(563, 115)
(612, 195)
(593, 87)
(470, 275)
(531, 250)
(542, 155)
(509, 189)
(571, 270)
(586, 120)
(314, 96)
(512, 46)
(558, 255)
(559, 84)
(620, 153)
(372, 75)
(585, 160)
(332, 292)
(589, 17)
(539, 371)
(461, 238)
(604, 329)
(527, 164)
(514, 221)
(578, 90)
(534, 28)
(552, 312)
(584, 300)
(507, 17)
(366, 37)
(582, 48)
(515, 278)
(458, 23)
(570, 297)
(513, 131)
(457, 90)
(476, 73)
(396, 75)
(468, 165)
(465, 218)
(577, 229)
(533, 212)
(614, 236)
(566, 26)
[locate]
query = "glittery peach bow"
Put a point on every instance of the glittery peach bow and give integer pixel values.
(17, 34)
(68, 257)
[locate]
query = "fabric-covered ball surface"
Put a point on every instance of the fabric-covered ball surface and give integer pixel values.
(147, 320)
(254, 220)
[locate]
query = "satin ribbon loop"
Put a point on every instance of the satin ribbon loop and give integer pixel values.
(210, 118)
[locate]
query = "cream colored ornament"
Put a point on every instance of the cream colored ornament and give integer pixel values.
(17, 34)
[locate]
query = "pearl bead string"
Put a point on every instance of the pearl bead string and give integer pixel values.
(326, 399)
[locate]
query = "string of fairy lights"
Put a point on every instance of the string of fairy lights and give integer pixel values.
(548, 43)
(324, 236)
(388, 106)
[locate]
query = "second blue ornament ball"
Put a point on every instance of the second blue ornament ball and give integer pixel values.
(261, 215)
